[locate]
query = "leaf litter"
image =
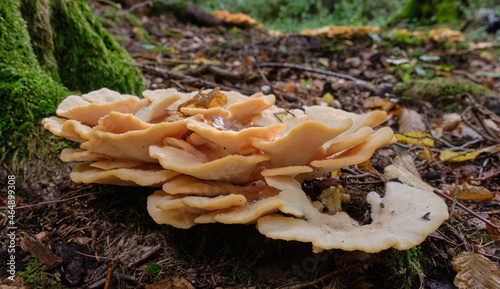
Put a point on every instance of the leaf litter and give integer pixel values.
(106, 230)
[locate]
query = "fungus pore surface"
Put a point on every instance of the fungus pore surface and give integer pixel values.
(220, 156)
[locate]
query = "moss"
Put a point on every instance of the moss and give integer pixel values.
(401, 269)
(414, 9)
(28, 93)
(440, 91)
(49, 42)
(37, 15)
(447, 11)
(34, 278)
(87, 56)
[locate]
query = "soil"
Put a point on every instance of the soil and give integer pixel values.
(103, 233)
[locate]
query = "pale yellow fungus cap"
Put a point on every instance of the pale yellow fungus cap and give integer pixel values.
(221, 156)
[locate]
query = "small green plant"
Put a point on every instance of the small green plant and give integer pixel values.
(154, 269)
(34, 278)
(480, 237)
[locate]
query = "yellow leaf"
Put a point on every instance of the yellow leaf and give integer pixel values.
(454, 156)
(475, 271)
(416, 138)
(466, 191)
(328, 98)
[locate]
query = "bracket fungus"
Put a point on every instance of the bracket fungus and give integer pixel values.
(235, 159)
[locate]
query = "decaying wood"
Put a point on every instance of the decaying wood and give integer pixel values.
(40, 252)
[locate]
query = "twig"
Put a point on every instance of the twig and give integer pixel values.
(94, 256)
(467, 122)
(134, 7)
(126, 277)
(455, 196)
(331, 275)
(111, 3)
(97, 284)
(146, 255)
(52, 202)
(108, 278)
(170, 74)
(361, 82)
(7, 168)
(468, 210)
(224, 72)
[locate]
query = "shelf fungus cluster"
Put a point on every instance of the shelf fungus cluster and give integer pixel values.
(229, 158)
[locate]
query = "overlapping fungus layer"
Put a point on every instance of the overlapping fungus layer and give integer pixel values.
(229, 158)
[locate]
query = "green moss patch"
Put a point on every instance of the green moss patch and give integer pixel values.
(440, 91)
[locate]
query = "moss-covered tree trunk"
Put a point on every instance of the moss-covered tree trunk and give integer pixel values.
(47, 48)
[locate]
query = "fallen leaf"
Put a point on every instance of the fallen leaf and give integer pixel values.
(415, 137)
(467, 191)
(82, 240)
(213, 99)
(454, 156)
(461, 156)
(406, 177)
(475, 271)
(171, 283)
(410, 121)
(378, 102)
(406, 162)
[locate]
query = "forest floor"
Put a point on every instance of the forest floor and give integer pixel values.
(98, 234)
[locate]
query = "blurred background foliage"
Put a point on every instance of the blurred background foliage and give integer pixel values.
(295, 15)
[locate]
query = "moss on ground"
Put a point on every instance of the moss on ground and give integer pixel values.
(46, 47)
(401, 269)
(35, 278)
(440, 91)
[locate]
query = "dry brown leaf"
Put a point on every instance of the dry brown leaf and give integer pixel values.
(171, 283)
(475, 271)
(406, 162)
(410, 120)
(466, 191)
(377, 102)
(213, 99)
(406, 177)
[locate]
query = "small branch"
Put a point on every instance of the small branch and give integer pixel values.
(361, 82)
(146, 255)
(166, 73)
(441, 194)
(313, 283)
(52, 202)
(108, 278)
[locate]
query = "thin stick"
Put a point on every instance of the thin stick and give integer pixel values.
(52, 202)
(331, 275)
(468, 210)
(314, 70)
(108, 278)
(170, 74)
(144, 256)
